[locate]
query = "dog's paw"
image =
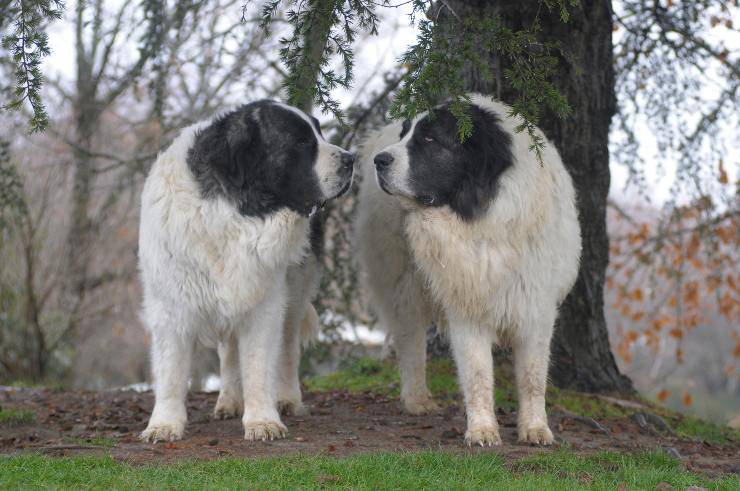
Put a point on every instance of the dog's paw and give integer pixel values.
(485, 436)
(538, 434)
(294, 408)
(163, 432)
(421, 406)
(227, 408)
(264, 430)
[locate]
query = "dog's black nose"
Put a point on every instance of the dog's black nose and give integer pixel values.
(383, 160)
(348, 159)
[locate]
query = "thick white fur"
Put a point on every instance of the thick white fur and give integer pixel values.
(497, 279)
(213, 276)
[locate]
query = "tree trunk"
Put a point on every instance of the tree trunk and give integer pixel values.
(582, 358)
(80, 233)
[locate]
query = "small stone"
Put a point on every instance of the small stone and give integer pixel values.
(78, 429)
(696, 488)
(663, 486)
(672, 452)
(213, 442)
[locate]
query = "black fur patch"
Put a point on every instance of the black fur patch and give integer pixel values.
(405, 127)
(260, 157)
(316, 233)
(444, 171)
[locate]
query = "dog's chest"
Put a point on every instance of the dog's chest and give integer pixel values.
(227, 262)
(464, 270)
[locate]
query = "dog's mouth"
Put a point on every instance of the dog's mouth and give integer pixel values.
(383, 184)
(344, 189)
(321, 204)
(425, 199)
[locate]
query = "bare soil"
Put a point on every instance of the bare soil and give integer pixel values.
(339, 424)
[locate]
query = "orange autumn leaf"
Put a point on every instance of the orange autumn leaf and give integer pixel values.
(736, 351)
(637, 295)
(691, 293)
(660, 323)
(727, 304)
(722, 173)
(694, 245)
(631, 336)
(637, 316)
(676, 333)
(686, 399)
(725, 234)
(663, 395)
(623, 350)
(713, 282)
(644, 231)
(673, 301)
(652, 339)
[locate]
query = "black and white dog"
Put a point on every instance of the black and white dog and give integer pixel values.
(479, 236)
(224, 260)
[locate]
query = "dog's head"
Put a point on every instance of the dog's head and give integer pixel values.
(430, 165)
(265, 156)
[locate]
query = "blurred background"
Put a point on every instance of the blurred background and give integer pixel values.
(69, 197)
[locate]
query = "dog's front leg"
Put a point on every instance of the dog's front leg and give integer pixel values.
(260, 343)
(471, 347)
(172, 351)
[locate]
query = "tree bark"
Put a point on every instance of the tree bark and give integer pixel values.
(581, 355)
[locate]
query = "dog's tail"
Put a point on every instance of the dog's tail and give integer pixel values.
(310, 325)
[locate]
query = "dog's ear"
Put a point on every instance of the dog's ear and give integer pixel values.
(488, 154)
(242, 138)
(471, 199)
(239, 132)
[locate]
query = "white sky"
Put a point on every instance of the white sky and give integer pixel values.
(374, 55)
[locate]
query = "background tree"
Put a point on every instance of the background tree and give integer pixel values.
(69, 280)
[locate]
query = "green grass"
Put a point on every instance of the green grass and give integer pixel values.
(10, 416)
(370, 375)
(428, 470)
(695, 428)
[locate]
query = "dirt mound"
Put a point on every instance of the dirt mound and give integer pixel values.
(109, 422)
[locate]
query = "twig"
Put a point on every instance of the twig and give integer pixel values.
(588, 421)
